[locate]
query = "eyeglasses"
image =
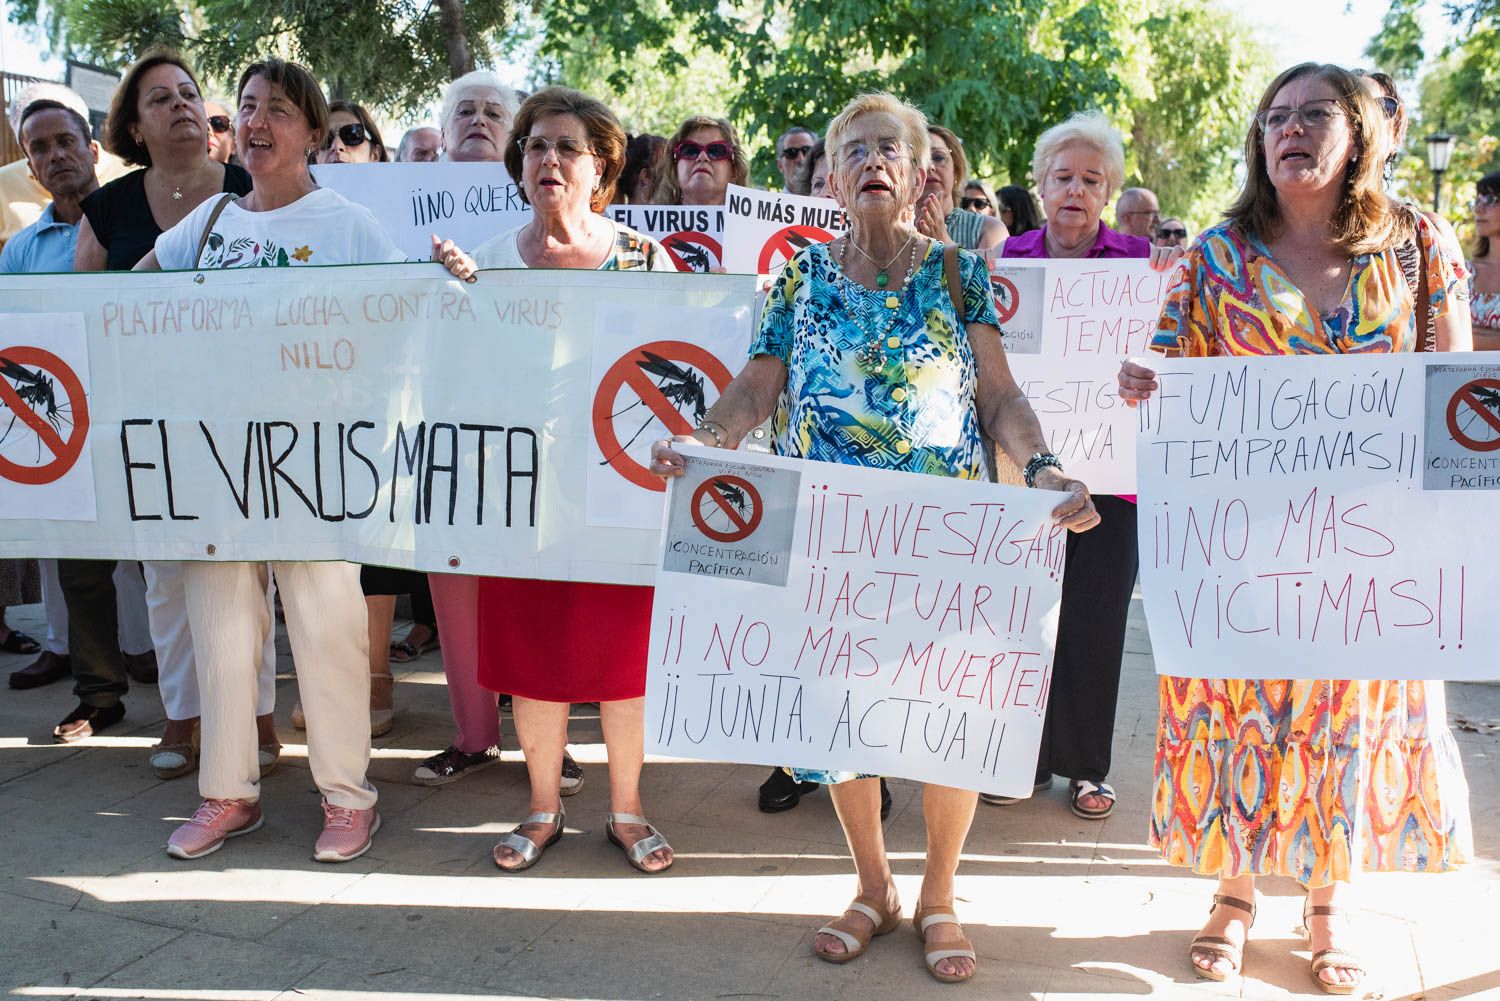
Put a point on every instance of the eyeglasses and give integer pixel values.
(691, 151)
(536, 147)
(219, 123)
(889, 149)
(795, 152)
(1484, 202)
(1171, 233)
(1390, 106)
(350, 135)
(973, 204)
(1317, 115)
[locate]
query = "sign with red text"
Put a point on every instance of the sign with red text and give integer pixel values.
(1073, 322)
(763, 229)
(46, 463)
(692, 235)
(1320, 517)
(384, 414)
(830, 616)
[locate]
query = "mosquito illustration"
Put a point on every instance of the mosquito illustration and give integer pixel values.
(734, 495)
(37, 390)
(682, 387)
(694, 256)
(1490, 398)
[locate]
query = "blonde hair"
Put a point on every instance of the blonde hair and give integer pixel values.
(910, 117)
(1082, 128)
(667, 191)
(1367, 220)
(956, 154)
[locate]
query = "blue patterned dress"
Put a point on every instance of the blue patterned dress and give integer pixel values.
(875, 384)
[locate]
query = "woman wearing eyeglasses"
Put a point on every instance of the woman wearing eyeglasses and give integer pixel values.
(553, 643)
(353, 136)
(1484, 278)
(876, 365)
(1317, 780)
(979, 197)
(704, 157)
(1171, 233)
(220, 132)
(1019, 210)
(939, 214)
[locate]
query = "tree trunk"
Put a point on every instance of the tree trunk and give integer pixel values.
(460, 58)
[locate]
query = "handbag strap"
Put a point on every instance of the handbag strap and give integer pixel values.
(213, 217)
(954, 279)
(1414, 269)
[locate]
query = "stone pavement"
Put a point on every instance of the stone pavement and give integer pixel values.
(1058, 908)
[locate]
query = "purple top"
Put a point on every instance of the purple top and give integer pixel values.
(1109, 243)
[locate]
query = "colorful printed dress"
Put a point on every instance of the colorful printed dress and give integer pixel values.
(1321, 779)
(893, 389)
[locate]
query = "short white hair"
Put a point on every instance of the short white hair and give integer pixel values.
(1083, 128)
(45, 91)
(910, 117)
(479, 79)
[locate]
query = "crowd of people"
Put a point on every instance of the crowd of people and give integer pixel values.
(866, 345)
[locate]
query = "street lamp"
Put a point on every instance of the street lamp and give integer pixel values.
(1439, 155)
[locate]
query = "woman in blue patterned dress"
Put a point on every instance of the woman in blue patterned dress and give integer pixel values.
(878, 370)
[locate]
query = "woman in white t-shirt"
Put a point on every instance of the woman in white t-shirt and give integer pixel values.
(286, 221)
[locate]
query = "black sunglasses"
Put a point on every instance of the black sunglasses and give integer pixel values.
(715, 151)
(1390, 106)
(352, 134)
(219, 123)
(973, 204)
(1167, 231)
(795, 152)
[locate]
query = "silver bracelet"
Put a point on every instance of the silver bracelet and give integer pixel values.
(1039, 462)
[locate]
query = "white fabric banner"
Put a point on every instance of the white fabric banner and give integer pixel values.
(467, 203)
(1323, 517)
(692, 234)
(763, 229)
(826, 616)
(1067, 325)
(383, 414)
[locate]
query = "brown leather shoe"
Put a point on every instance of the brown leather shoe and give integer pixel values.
(85, 721)
(141, 667)
(47, 668)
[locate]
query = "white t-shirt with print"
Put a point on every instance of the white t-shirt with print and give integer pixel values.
(321, 227)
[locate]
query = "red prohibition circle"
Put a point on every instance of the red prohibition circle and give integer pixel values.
(1467, 398)
(1006, 307)
(673, 244)
(65, 451)
(717, 494)
(787, 242)
(627, 372)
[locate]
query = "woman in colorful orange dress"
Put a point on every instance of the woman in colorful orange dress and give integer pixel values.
(1317, 780)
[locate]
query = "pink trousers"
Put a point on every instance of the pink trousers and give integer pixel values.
(476, 712)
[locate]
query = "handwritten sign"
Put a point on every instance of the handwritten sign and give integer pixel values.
(1067, 325)
(692, 235)
(828, 616)
(1313, 517)
(467, 203)
(763, 229)
(384, 414)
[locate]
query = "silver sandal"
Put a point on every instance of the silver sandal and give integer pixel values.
(636, 853)
(523, 846)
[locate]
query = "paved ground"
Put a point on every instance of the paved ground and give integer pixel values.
(91, 906)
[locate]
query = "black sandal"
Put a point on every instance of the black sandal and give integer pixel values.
(18, 642)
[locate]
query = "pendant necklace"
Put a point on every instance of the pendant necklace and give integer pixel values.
(882, 272)
(871, 355)
(177, 194)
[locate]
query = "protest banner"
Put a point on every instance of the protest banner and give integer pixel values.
(828, 616)
(693, 235)
(468, 203)
(1322, 517)
(383, 414)
(1067, 325)
(763, 229)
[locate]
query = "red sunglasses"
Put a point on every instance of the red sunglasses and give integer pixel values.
(690, 151)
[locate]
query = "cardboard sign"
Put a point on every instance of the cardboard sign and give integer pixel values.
(383, 414)
(763, 229)
(692, 235)
(1322, 517)
(836, 617)
(468, 203)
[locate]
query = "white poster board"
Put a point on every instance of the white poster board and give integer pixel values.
(836, 617)
(763, 229)
(693, 235)
(1323, 517)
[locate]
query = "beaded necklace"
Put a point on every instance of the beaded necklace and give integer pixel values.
(859, 302)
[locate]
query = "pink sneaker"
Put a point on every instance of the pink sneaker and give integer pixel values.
(346, 833)
(215, 821)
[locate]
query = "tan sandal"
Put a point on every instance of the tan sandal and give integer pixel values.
(924, 919)
(1219, 947)
(856, 939)
(1330, 959)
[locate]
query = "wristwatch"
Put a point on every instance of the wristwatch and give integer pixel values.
(1039, 462)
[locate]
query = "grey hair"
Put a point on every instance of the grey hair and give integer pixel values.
(1083, 128)
(45, 91)
(793, 131)
(406, 137)
(910, 117)
(483, 79)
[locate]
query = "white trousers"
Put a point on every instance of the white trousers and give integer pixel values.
(328, 626)
(130, 604)
(166, 603)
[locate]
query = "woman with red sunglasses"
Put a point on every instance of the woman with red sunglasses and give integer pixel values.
(704, 157)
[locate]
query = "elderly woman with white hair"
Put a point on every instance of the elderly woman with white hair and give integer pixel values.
(478, 109)
(877, 364)
(1078, 166)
